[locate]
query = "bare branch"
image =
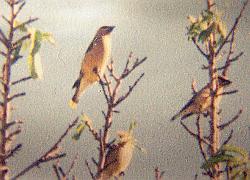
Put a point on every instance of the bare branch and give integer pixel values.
(13, 134)
(222, 126)
(228, 138)
(31, 20)
(3, 53)
(89, 169)
(159, 174)
(136, 64)
(14, 151)
(19, 9)
(194, 135)
(199, 137)
(228, 93)
(233, 28)
(199, 48)
(16, 96)
(47, 156)
(122, 98)
(56, 172)
(6, 19)
(194, 87)
(21, 80)
(72, 165)
(3, 38)
(21, 40)
(8, 125)
(92, 130)
(230, 60)
(101, 82)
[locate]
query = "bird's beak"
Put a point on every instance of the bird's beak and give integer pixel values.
(111, 28)
(224, 81)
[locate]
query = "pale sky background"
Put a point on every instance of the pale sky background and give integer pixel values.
(155, 29)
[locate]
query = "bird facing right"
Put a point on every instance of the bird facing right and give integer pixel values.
(201, 101)
(119, 156)
(94, 62)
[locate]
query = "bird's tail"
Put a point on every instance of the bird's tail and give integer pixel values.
(80, 88)
(72, 104)
(176, 116)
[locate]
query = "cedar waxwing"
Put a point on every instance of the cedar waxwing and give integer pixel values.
(201, 101)
(94, 61)
(119, 155)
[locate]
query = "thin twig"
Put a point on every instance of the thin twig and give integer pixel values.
(45, 157)
(228, 63)
(122, 98)
(72, 165)
(3, 53)
(21, 80)
(228, 93)
(199, 48)
(89, 169)
(31, 20)
(222, 126)
(16, 96)
(199, 137)
(14, 151)
(194, 135)
(233, 28)
(56, 172)
(6, 19)
(19, 8)
(228, 138)
(159, 174)
(21, 40)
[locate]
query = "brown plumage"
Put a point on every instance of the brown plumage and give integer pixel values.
(201, 101)
(94, 61)
(119, 156)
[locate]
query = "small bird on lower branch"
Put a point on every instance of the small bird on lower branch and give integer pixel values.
(94, 62)
(201, 101)
(119, 156)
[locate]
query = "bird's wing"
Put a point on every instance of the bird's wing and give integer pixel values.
(78, 81)
(91, 45)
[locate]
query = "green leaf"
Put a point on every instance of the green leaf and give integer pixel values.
(22, 28)
(132, 126)
(215, 160)
(79, 131)
(235, 149)
(48, 37)
(16, 54)
(206, 33)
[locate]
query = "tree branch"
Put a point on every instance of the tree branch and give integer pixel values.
(194, 135)
(199, 48)
(16, 96)
(21, 80)
(222, 126)
(21, 40)
(122, 98)
(31, 20)
(89, 169)
(50, 154)
(233, 28)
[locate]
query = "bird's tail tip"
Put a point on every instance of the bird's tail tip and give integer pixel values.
(72, 104)
(175, 117)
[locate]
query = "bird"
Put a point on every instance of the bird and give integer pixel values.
(94, 63)
(118, 156)
(201, 100)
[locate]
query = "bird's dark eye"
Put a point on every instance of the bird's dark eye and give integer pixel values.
(95, 70)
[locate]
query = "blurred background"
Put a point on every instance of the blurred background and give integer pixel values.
(156, 29)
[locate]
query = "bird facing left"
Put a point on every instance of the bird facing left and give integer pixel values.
(94, 63)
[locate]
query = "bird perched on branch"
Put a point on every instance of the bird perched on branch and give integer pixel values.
(201, 100)
(119, 156)
(94, 62)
